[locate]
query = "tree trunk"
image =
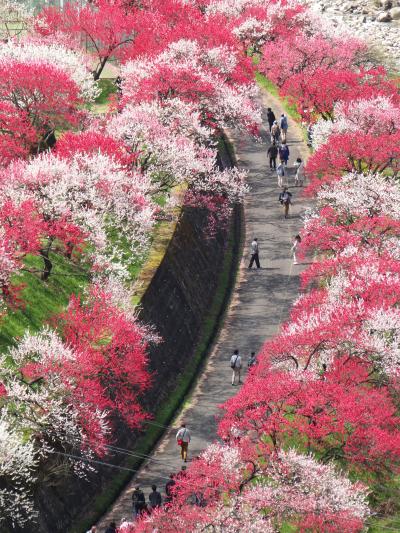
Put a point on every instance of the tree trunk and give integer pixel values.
(48, 265)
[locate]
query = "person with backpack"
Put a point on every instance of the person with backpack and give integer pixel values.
(270, 117)
(275, 132)
(283, 123)
(284, 153)
(280, 172)
(272, 153)
(183, 439)
(138, 501)
(285, 198)
(236, 365)
(254, 254)
(300, 174)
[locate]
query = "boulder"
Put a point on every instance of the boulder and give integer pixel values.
(384, 16)
(386, 4)
(395, 13)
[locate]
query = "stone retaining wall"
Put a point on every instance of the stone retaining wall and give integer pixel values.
(177, 302)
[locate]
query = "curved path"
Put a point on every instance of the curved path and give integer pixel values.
(261, 300)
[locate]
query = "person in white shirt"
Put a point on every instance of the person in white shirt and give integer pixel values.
(183, 439)
(236, 365)
(93, 529)
(254, 253)
(300, 174)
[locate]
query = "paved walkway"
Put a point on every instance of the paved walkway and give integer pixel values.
(260, 302)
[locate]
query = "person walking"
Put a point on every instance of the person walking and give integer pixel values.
(255, 249)
(275, 132)
(283, 123)
(285, 199)
(270, 117)
(236, 365)
(300, 174)
(155, 498)
(183, 439)
(169, 488)
(280, 172)
(309, 134)
(138, 501)
(296, 242)
(284, 153)
(112, 528)
(251, 360)
(272, 152)
(93, 529)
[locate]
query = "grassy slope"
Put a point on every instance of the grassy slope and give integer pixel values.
(41, 299)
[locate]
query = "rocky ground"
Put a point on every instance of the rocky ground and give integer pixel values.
(375, 21)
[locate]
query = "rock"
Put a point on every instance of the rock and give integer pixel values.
(395, 13)
(384, 17)
(386, 4)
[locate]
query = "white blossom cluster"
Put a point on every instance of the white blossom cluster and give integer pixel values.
(72, 62)
(363, 195)
(17, 465)
(110, 205)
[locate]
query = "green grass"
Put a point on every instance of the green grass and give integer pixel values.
(178, 397)
(270, 87)
(102, 102)
(41, 299)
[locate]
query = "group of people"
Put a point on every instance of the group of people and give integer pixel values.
(255, 248)
(279, 147)
(236, 365)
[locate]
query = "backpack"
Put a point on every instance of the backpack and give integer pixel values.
(233, 364)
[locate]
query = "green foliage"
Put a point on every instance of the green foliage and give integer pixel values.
(107, 87)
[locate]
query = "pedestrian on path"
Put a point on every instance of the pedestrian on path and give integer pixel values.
(254, 250)
(280, 172)
(275, 132)
(285, 199)
(300, 174)
(284, 153)
(251, 360)
(155, 498)
(169, 488)
(270, 117)
(309, 135)
(93, 529)
(236, 365)
(272, 153)
(138, 501)
(296, 242)
(183, 439)
(283, 123)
